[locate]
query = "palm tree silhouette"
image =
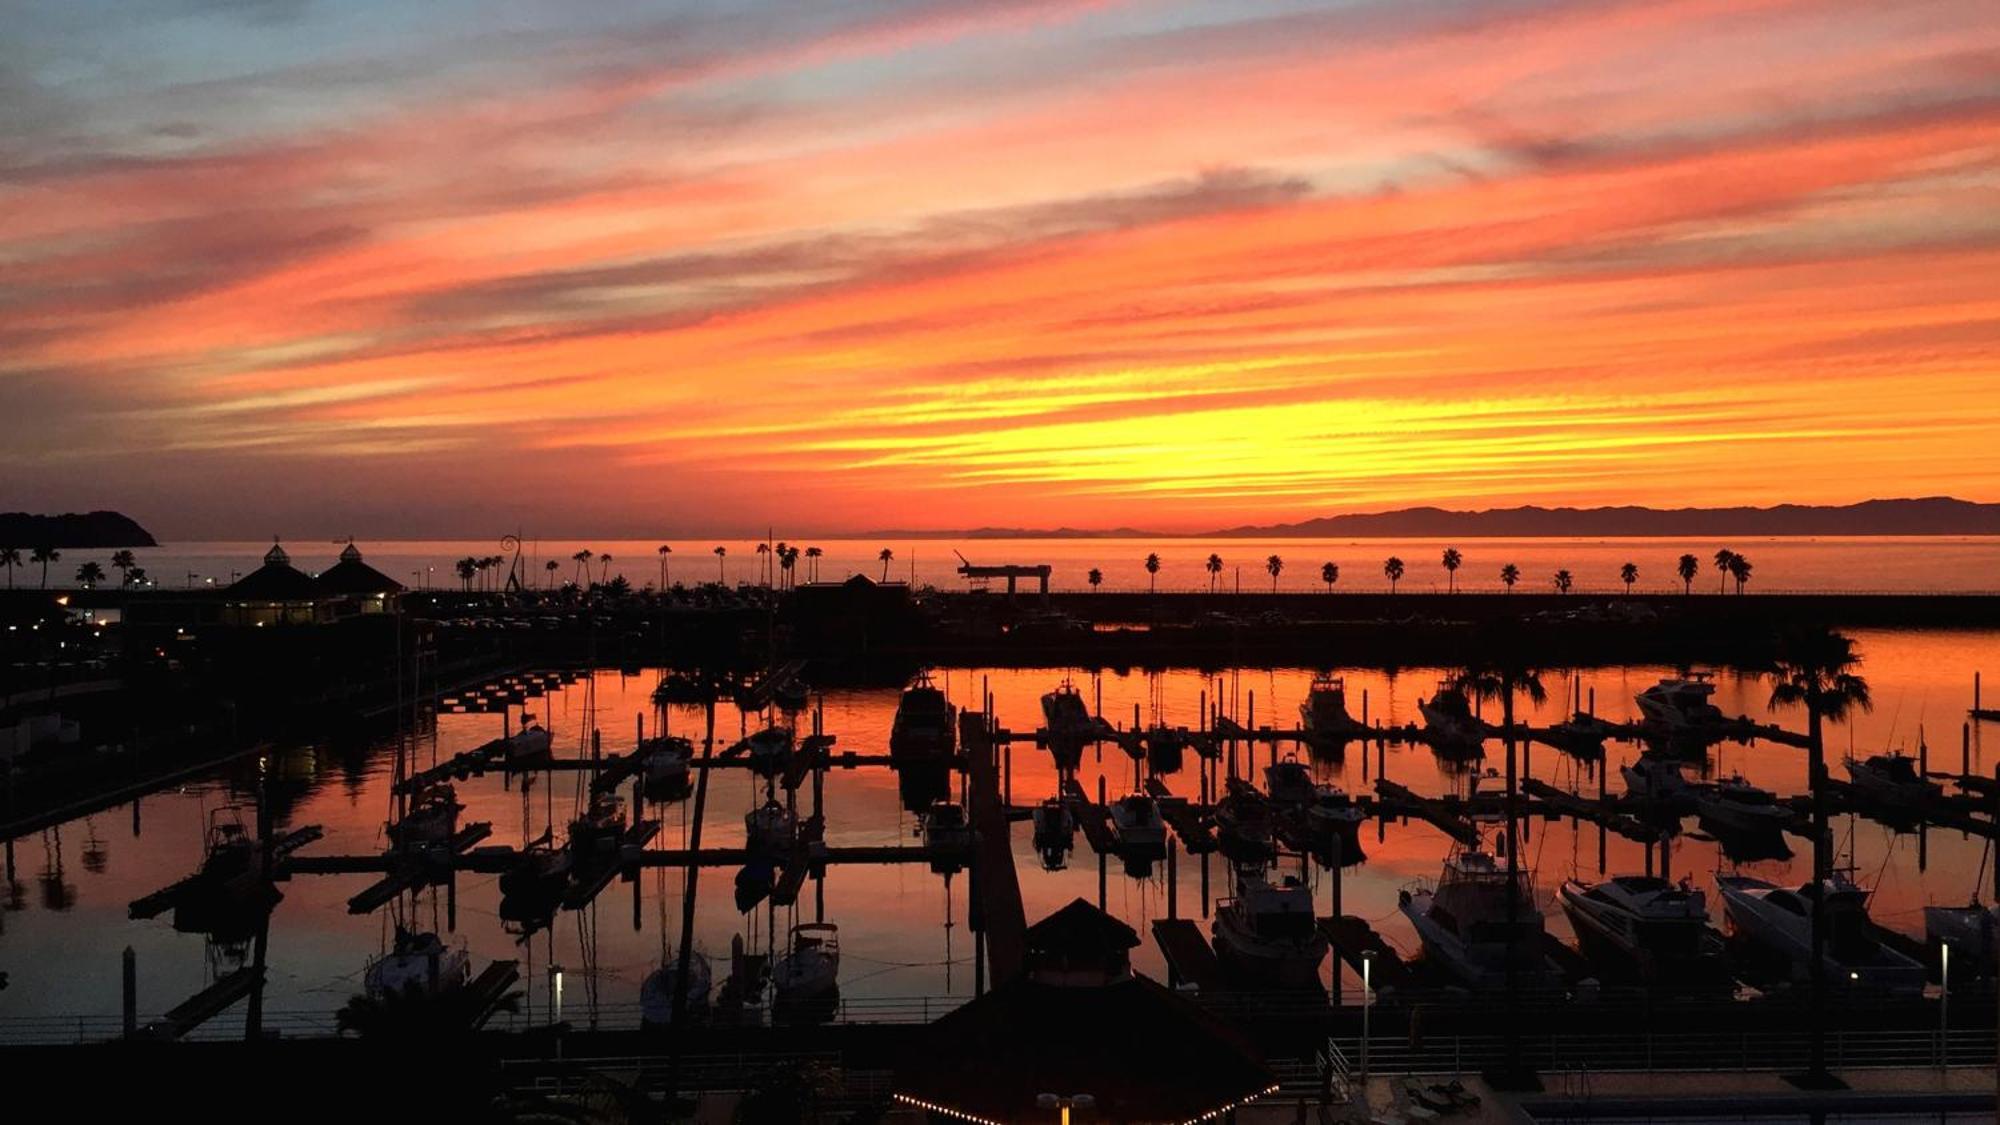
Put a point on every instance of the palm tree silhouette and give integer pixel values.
(1687, 568)
(1214, 568)
(1564, 581)
(1629, 573)
(1509, 575)
(10, 557)
(89, 575)
(1095, 578)
(665, 550)
(582, 559)
(1818, 670)
(604, 571)
(1722, 560)
(551, 567)
(1739, 569)
(123, 562)
(1152, 571)
(1452, 561)
(721, 553)
(1329, 574)
(764, 563)
(788, 557)
(812, 562)
(887, 556)
(1392, 569)
(466, 568)
(1273, 566)
(45, 556)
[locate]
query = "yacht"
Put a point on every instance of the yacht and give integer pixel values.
(1657, 780)
(811, 970)
(770, 828)
(1137, 823)
(1462, 922)
(1323, 716)
(791, 696)
(1067, 721)
(1681, 704)
(1243, 825)
(540, 872)
(1734, 803)
(667, 764)
(656, 992)
(1451, 724)
(530, 743)
(419, 965)
(1779, 920)
(946, 829)
(230, 849)
(1267, 933)
(1970, 931)
(600, 831)
(1333, 810)
(1660, 928)
(925, 728)
(768, 748)
(1055, 832)
(432, 818)
(1892, 778)
(1289, 782)
(754, 880)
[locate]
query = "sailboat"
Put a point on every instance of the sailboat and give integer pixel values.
(810, 972)
(419, 964)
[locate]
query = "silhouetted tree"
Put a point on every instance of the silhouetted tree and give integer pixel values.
(89, 575)
(1564, 581)
(812, 561)
(1392, 569)
(721, 553)
(466, 568)
(1152, 572)
(1628, 574)
(138, 576)
(1274, 566)
(664, 551)
(10, 557)
(1452, 561)
(1214, 568)
(604, 568)
(123, 562)
(1739, 569)
(1329, 574)
(1722, 560)
(551, 566)
(788, 557)
(1687, 568)
(1818, 670)
(887, 556)
(582, 559)
(764, 564)
(1095, 578)
(45, 556)
(1509, 575)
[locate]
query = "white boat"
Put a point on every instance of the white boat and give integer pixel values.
(1449, 720)
(768, 748)
(419, 965)
(1243, 824)
(811, 970)
(1333, 810)
(925, 728)
(1657, 926)
(945, 827)
(667, 763)
(1289, 782)
(1267, 934)
(1970, 931)
(770, 828)
(530, 743)
(432, 818)
(1779, 920)
(1658, 780)
(656, 992)
(1892, 778)
(1463, 925)
(1681, 703)
(1734, 803)
(1136, 821)
(600, 831)
(1323, 716)
(1055, 832)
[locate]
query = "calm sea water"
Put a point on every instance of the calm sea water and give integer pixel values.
(1946, 563)
(64, 922)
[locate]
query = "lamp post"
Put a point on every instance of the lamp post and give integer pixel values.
(1944, 1005)
(1367, 1002)
(1065, 1104)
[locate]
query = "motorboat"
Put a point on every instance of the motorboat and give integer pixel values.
(1243, 826)
(1055, 832)
(946, 829)
(431, 819)
(1463, 922)
(811, 969)
(754, 881)
(420, 964)
(1735, 804)
(1970, 932)
(1657, 780)
(230, 850)
(1332, 810)
(1289, 782)
(656, 992)
(667, 765)
(925, 728)
(1681, 703)
(529, 744)
(1067, 721)
(1779, 921)
(1892, 778)
(600, 831)
(770, 828)
(539, 873)
(769, 748)
(1323, 716)
(1136, 822)
(1657, 927)
(1267, 933)
(1452, 726)
(791, 695)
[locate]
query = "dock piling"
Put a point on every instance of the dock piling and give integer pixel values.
(131, 993)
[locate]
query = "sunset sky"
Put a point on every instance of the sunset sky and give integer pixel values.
(404, 269)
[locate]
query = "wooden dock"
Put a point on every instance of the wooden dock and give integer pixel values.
(1351, 937)
(1184, 818)
(1093, 818)
(1190, 958)
(997, 884)
(1556, 802)
(1450, 815)
(204, 1005)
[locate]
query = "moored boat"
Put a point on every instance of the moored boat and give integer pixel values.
(420, 964)
(1452, 727)
(1138, 826)
(1463, 922)
(1779, 921)
(1645, 923)
(1323, 716)
(1288, 782)
(431, 819)
(1055, 832)
(1267, 933)
(925, 728)
(1892, 778)
(656, 992)
(810, 970)
(1735, 804)
(1681, 703)
(770, 828)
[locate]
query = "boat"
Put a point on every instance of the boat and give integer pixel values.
(1463, 925)
(667, 764)
(432, 818)
(925, 728)
(419, 965)
(600, 831)
(768, 748)
(230, 850)
(753, 882)
(1681, 703)
(530, 743)
(1334, 810)
(1323, 716)
(1067, 722)
(1451, 724)
(1243, 826)
(1658, 780)
(1643, 921)
(1734, 803)
(1892, 778)
(539, 873)
(1779, 921)
(1055, 832)
(1970, 932)
(811, 970)
(770, 828)
(656, 992)
(1136, 822)
(791, 695)
(1289, 782)
(1267, 933)
(945, 828)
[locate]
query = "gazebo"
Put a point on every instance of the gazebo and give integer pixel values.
(1078, 1021)
(366, 589)
(276, 593)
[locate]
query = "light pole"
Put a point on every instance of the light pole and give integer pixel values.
(1944, 1005)
(1367, 1002)
(1073, 1101)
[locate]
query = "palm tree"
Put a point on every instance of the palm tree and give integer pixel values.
(1214, 568)
(887, 556)
(45, 556)
(764, 563)
(812, 563)
(664, 552)
(1739, 569)
(1564, 581)
(1392, 569)
(10, 557)
(788, 557)
(1509, 575)
(1722, 561)
(1628, 574)
(1687, 568)
(582, 559)
(1273, 566)
(89, 575)
(1152, 572)
(138, 576)
(721, 553)
(466, 568)
(551, 566)
(1329, 574)
(1818, 670)
(1095, 578)
(1452, 561)
(604, 570)
(123, 562)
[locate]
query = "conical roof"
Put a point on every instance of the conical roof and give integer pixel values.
(276, 581)
(352, 576)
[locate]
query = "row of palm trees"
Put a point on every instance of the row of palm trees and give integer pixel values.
(1732, 564)
(776, 564)
(89, 575)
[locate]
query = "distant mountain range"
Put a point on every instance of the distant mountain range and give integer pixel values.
(1930, 515)
(72, 530)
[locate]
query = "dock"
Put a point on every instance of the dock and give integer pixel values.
(1093, 818)
(1351, 937)
(1190, 958)
(204, 1005)
(1449, 815)
(1604, 812)
(1185, 819)
(996, 884)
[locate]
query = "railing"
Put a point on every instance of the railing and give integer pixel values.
(1720, 1050)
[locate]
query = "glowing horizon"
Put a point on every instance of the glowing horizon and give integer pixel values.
(945, 264)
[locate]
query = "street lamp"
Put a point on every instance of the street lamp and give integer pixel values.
(1367, 1002)
(1944, 1004)
(1074, 1101)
